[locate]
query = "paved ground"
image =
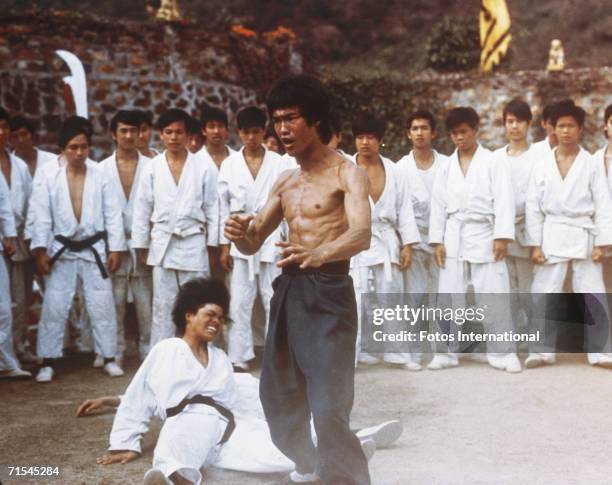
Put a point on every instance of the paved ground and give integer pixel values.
(472, 424)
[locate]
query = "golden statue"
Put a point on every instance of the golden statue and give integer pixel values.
(168, 11)
(556, 56)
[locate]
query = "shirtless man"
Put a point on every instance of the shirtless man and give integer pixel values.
(309, 354)
(123, 169)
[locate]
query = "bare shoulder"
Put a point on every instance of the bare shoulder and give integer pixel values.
(284, 178)
(352, 177)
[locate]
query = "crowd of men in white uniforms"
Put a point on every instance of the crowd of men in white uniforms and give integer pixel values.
(139, 224)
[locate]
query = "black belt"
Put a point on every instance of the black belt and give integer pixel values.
(82, 245)
(209, 401)
(337, 267)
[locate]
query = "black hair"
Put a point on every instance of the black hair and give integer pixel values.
(421, 114)
(518, 108)
(335, 123)
(309, 96)
(548, 111)
(193, 295)
(460, 115)
(194, 127)
(127, 117)
(5, 116)
(18, 122)
(251, 117)
(146, 117)
(368, 123)
(568, 108)
(74, 126)
(210, 113)
(607, 114)
(173, 115)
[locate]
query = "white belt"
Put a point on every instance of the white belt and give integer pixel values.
(385, 233)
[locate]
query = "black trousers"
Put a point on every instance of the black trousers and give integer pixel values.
(309, 367)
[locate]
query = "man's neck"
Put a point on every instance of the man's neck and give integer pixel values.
(28, 156)
(76, 168)
(423, 156)
(567, 151)
(313, 156)
(4, 154)
(254, 152)
(127, 154)
(468, 153)
(216, 149)
(516, 147)
(368, 160)
(178, 156)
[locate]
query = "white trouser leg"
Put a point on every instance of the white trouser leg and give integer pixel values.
(20, 311)
(243, 291)
(60, 287)
(120, 292)
(8, 361)
(267, 274)
(520, 271)
(166, 283)
(98, 294)
(187, 442)
(250, 449)
(142, 289)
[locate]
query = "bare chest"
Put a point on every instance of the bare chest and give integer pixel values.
(176, 170)
(311, 199)
(377, 178)
(76, 186)
(564, 164)
(127, 172)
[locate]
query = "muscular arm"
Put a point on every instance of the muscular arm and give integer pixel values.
(249, 236)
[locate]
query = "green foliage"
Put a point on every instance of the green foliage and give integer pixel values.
(453, 44)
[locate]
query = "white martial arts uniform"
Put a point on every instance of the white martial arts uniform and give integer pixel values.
(520, 267)
(239, 192)
(54, 214)
(20, 187)
(421, 278)
(566, 218)
(393, 226)
(600, 157)
(189, 440)
(468, 212)
(8, 361)
(132, 279)
(176, 223)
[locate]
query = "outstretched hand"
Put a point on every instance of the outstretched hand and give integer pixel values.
(297, 254)
(112, 457)
(90, 405)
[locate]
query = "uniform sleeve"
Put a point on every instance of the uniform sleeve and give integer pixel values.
(42, 220)
(211, 206)
(113, 217)
(7, 219)
(143, 209)
(603, 204)
(224, 199)
(534, 217)
(503, 201)
(407, 226)
(437, 211)
(135, 411)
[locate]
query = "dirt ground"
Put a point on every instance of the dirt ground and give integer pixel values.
(471, 424)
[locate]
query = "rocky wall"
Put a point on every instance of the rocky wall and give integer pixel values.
(149, 66)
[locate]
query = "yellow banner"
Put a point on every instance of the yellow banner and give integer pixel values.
(494, 32)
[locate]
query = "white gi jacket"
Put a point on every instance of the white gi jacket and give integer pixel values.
(239, 192)
(177, 222)
(468, 212)
(53, 213)
(419, 193)
(393, 224)
(20, 188)
(169, 374)
(566, 217)
(520, 168)
(7, 220)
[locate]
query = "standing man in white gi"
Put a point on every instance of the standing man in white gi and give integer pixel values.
(245, 180)
(77, 205)
(145, 133)
(123, 169)
(542, 148)
(17, 177)
(419, 168)
(22, 141)
(569, 222)
(471, 223)
(9, 365)
(394, 229)
(604, 156)
(176, 218)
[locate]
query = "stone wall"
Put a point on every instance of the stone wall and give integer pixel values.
(395, 99)
(149, 66)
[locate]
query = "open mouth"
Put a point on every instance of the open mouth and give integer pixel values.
(212, 329)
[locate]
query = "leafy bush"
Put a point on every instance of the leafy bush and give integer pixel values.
(453, 44)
